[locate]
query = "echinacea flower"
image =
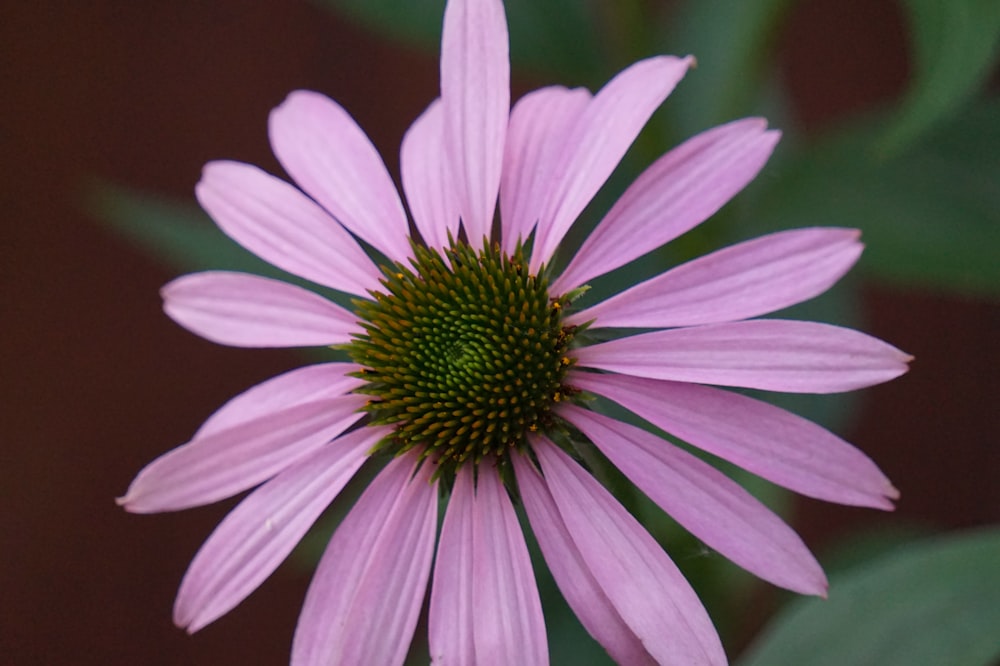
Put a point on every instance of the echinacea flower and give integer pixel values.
(470, 372)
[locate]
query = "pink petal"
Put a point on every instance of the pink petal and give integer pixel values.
(507, 615)
(228, 461)
(306, 384)
(329, 156)
(597, 142)
(578, 586)
(451, 631)
(705, 501)
(387, 605)
(259, 533)
(244, 310)
(427, 179)
(365, 597)
(761, 438)
(746, 280)
(281, 225)
(475, 97)
(644, 586)
(769, 354)
(540, 124)
(676, 193)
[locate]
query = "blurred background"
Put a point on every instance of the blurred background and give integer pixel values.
(892, 124)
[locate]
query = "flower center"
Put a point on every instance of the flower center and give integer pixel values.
(464, 354)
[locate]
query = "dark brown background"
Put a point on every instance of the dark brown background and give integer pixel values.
(97, 382)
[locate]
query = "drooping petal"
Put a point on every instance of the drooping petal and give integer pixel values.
(676, 193)
(365, 597)
(746, 280)
(335, 584)
(769, 354)
(598, 140)
(259, 533)
(281, 225)
(306, 384)
(507, 613)
(540, 123)
(645, 587)
(331, 158)
(475, 96)
(243, 310)
(427, 178)
(578, 586)
(387, 604)
(450, 623)
(705, 501)
(761, 438)
(230, 460)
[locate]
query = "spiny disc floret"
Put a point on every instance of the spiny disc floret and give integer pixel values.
(464, 354)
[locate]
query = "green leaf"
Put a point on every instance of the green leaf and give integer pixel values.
(955, 44)
(933, 603)
(555, 36)
(732, 42)
(930, 218)
(864, 546)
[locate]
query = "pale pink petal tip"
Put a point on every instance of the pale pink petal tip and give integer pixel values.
(676, 193)
(775, 444)
(745, 280)
(220, 465)
(258, 534)
(706, 502)
(534, 156)
(281, 225)
(249, 439)
(768, 354)
(427, 179)
(599, 138)
(244, 310)
(330, 157)
(475, 98)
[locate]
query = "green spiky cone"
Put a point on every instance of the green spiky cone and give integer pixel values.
(464, 354)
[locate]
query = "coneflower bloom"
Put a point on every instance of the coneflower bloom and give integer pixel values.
(472, 373)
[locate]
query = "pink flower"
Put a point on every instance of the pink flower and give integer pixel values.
(470, 372)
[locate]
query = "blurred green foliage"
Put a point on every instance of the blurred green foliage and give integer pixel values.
(733, 42)
(955, 45)
(929, 604)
